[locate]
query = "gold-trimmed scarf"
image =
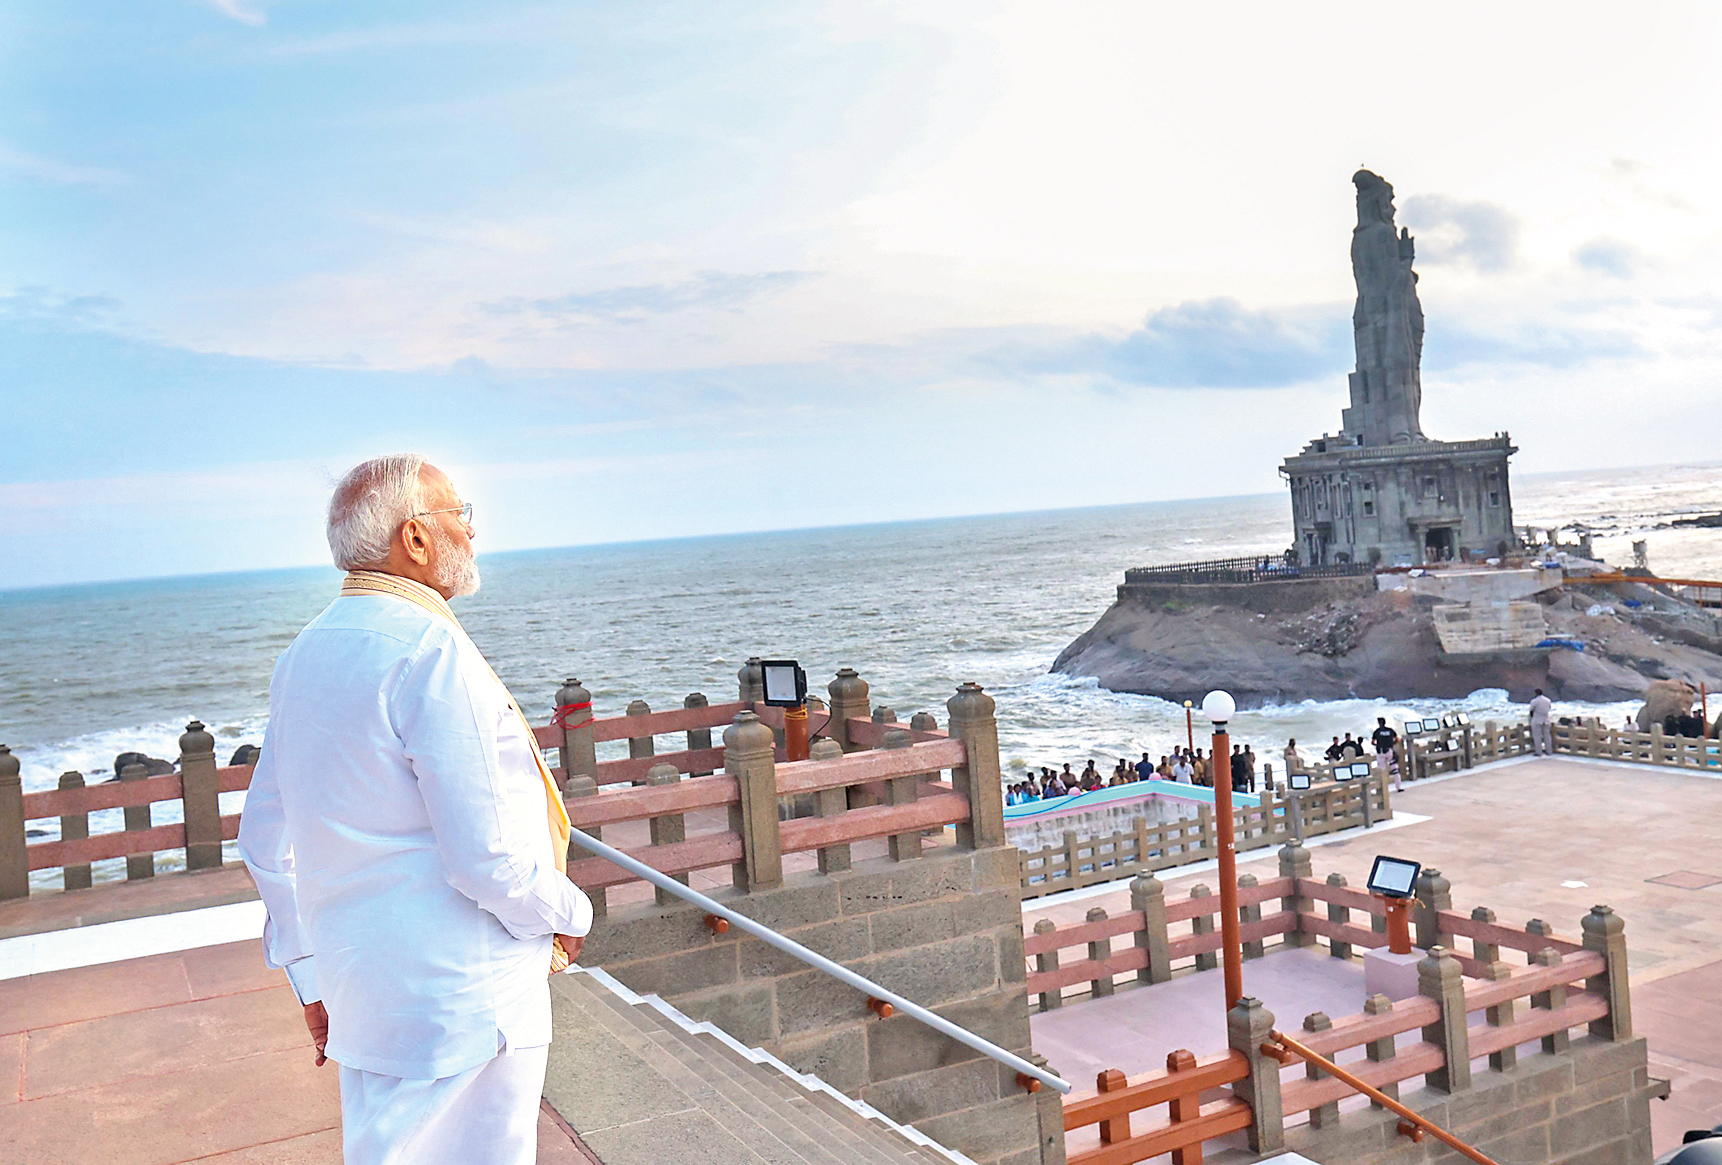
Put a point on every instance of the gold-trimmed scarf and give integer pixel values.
(372, 582)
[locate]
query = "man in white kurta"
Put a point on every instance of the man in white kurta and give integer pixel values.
(396, 829)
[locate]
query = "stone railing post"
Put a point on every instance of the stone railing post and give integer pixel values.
(698, 738)
(748, 756)
(1204, 924)
(1549, 1000)
(1322, 1115)
(1541, 929)
(1294, 863)
(137, 818)
(849, 700)
(1248, 1025)
(1149, 896)
(903, 791)
(582, 785)
(923, 722)
(1207, 837)
(1434, 894)
(640, 747)
(979, 779)
(667, 829)
(1501, 1015)
(1439, 977)
(574, 715)
(1072, 860)
(833, 859)
(1338, 948)
(14, 862)
(1605, 933)
(1048, 961)
(1099, 950)
(1383, 1048)
(1484, 952)
(1658, 746)
(74, 827)
(1254, 948)
(750, 681)
(200, 798)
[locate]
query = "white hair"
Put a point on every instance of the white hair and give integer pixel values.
(370, 504)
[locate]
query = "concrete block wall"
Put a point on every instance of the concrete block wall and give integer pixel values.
(943, 930)
(1587, 1106)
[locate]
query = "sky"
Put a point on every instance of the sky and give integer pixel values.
(643, 270)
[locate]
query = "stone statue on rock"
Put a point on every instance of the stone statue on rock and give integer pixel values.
(1387, 388)
(1665, 698)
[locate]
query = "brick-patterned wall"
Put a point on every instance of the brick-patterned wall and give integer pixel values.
(944, 930)
(1590, 1105)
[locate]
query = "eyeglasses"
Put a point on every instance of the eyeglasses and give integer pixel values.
(465, 512)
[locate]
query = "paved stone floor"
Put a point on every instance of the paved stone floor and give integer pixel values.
(1507, 838)
(196, 1056)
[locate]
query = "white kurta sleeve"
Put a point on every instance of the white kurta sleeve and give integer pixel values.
(489, 830)
(268, 855)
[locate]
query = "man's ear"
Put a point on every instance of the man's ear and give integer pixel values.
(414, 541)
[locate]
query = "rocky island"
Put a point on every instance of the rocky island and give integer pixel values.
(1406, 577)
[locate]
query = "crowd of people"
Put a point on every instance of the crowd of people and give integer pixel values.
(1187, 765)
(1192, 767)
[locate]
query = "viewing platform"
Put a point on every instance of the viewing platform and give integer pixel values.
(137, 1023)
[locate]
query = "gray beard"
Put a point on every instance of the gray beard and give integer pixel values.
(456, 570)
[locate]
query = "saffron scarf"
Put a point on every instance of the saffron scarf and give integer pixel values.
(372, 582)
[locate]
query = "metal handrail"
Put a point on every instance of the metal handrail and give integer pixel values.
(819, 962)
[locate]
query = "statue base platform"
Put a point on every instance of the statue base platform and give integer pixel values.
(1395, 976)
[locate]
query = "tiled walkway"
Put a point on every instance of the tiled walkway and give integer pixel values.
(198, 1056)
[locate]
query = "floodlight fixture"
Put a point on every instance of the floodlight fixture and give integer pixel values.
(1413, 727)
(1219, 707)
(1298, 781)
(1361, 768)
(1431, 724)
(1394, 877)
(1461, 719)
(785, 683)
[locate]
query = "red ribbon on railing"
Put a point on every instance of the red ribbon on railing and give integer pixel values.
(560, 719)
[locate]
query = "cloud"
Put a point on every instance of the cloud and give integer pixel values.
(48, 170)
(1216, 343)
(38, 303)
(238, 12)
(1454, 344)
(1450, 231)
(707, 289)
(1609, 257)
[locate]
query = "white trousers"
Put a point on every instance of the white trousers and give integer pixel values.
(487, 1115)
(1542, 742)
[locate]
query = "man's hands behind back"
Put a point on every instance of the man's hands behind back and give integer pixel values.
(317, 1020)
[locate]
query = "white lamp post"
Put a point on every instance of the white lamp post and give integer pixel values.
(1219, 707)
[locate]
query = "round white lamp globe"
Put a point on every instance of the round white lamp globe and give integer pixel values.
(1218, 706)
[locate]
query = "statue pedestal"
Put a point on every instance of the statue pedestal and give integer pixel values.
(1395, 976)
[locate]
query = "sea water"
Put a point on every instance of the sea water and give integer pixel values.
(916, 607)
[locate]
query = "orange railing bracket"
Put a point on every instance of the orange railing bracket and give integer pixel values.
(1027, 1083)
(717, 925)
(885, 1011)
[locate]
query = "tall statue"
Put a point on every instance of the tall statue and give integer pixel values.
(1386, 389)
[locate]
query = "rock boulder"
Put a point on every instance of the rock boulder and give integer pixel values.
(1665, 698)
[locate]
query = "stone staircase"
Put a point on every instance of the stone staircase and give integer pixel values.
(642, 1084)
